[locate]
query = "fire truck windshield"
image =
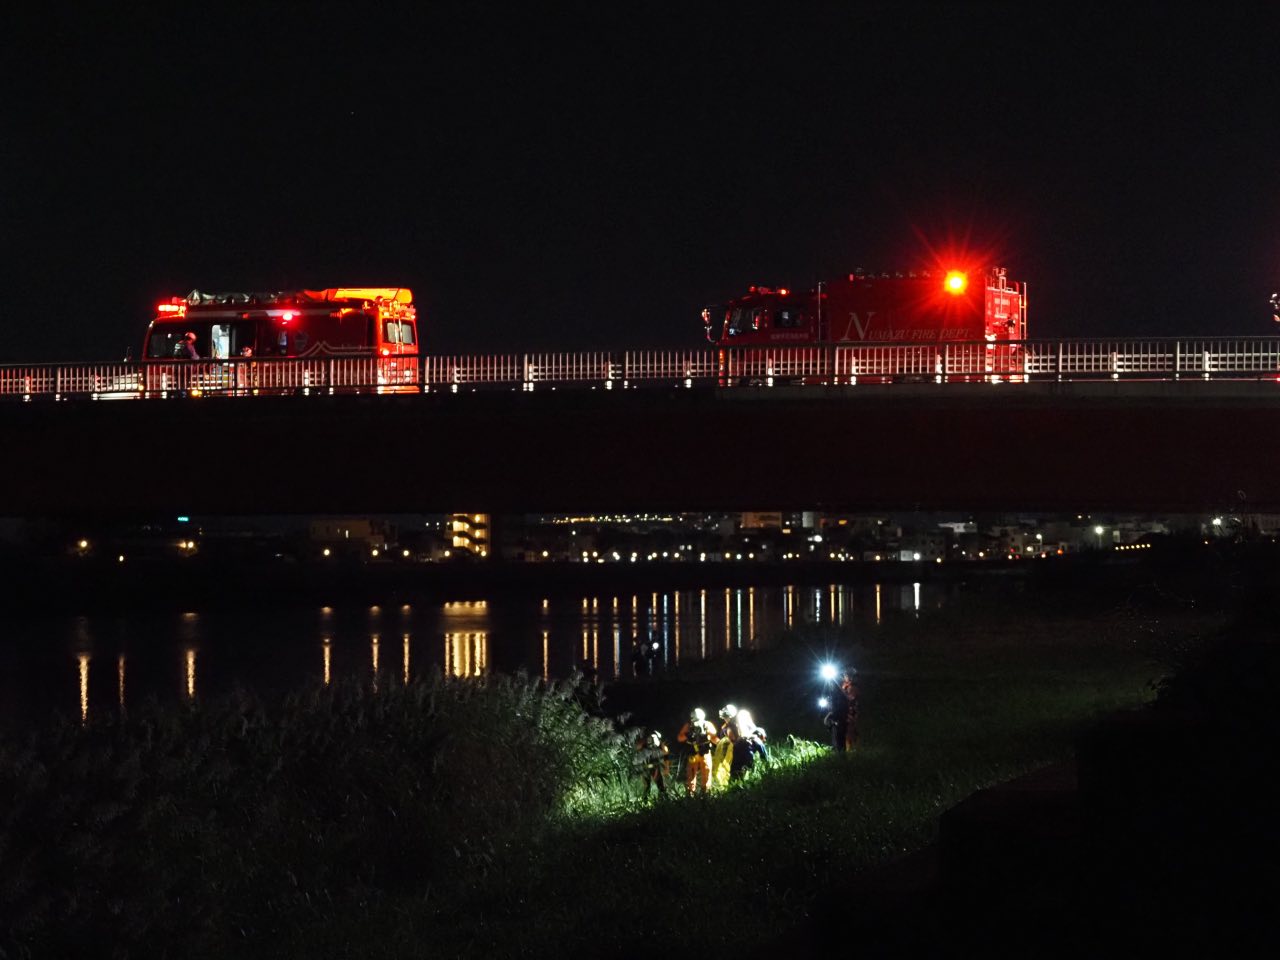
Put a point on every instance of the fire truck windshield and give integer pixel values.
(217, 341)
(742, 319)
(164, 342)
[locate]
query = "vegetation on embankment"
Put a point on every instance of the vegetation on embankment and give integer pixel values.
(482, 818)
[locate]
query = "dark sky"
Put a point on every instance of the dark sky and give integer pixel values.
(586, 179)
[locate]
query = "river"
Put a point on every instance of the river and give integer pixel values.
(84, 666)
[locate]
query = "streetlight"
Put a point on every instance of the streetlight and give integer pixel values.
(1098, 531)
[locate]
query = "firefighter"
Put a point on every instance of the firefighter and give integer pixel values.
(754, 734)
(850, 691)
(743, 751)
(698, 736)
(722, 753)
(656, 758)
(842, 720)
(185, 349)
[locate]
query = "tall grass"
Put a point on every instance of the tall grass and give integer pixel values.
(169, 831)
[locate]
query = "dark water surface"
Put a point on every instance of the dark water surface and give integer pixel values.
(84, 665)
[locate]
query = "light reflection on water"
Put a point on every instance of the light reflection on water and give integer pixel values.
(547, 636)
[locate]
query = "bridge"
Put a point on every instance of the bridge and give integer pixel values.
(1142, 426)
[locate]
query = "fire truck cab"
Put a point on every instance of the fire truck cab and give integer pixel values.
(338, 321)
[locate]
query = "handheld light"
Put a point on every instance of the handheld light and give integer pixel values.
(827, 671)
(824, 703)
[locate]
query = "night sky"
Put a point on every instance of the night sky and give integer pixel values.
(588, 179)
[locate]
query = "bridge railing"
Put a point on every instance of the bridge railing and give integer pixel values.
(840, 364)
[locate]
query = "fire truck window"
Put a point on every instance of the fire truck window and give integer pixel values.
(390, 331)
(757, 317)
(162, 343)
(737, 319)
(220, 341)
(407, 333)
(243, 335)
(788, 319)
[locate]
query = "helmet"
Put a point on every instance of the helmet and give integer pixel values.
(698, 715)
(188, 335)
(728, 711)
(746, 726)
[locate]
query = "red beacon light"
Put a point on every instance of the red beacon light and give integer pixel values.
(955, 283)
(175, 308)
(286, 316)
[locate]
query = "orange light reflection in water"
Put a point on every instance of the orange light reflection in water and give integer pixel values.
(466, 654)
(84, 687)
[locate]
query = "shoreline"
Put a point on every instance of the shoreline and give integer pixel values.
(80, 587)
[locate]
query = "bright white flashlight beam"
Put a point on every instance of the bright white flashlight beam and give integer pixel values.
(823, 703)
(828, 671)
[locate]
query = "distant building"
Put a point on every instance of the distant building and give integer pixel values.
(760, 521)
(345, 535)
(470, 533)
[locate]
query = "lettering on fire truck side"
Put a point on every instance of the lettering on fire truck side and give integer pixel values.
(862, 326)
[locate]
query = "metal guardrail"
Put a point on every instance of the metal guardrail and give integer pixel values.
(840, 364)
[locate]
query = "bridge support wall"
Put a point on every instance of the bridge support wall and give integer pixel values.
(1061, 447)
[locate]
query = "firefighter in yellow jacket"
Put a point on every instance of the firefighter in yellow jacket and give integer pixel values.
(722, 752)
(699, 737)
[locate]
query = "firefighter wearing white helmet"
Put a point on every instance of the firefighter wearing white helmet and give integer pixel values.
(722, 753)
(698, 736)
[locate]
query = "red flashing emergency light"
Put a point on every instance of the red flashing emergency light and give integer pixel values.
(175, 309)
(955, 283)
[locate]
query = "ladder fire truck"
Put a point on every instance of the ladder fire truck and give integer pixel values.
(336, 322)
(336, 338)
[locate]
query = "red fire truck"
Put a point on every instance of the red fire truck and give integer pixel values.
(336, 322)
(926, 307)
